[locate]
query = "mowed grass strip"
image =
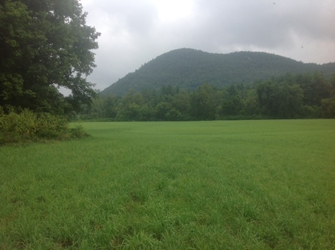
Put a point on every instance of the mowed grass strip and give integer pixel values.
(173, 185)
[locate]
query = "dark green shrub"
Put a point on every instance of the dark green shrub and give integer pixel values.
(50, 126)
(78, 132)
(15, 126)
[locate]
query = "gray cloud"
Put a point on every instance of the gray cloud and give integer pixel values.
(134, 32)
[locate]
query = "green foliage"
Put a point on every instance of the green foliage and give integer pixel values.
(78, 132)
(173, 185)
(45, 45)
(25, 125)
(315, 88)
(328, 107)
(15, 127)
(279, 99)
(288, 96)
(203, 106)
(232, 104)
(188, 69)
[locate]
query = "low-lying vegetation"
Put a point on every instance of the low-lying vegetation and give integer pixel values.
(25, 125)
(169, 185)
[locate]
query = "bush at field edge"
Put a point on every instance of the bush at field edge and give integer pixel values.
(25, 125)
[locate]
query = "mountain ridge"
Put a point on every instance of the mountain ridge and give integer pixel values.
(189, 68)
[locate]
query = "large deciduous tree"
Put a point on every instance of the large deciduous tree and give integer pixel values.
(44, 45)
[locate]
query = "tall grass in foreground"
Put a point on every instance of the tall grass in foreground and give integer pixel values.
(186, 185)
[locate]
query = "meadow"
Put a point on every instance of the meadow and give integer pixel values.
(173, 185)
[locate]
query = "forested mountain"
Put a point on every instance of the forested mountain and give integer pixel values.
(189, 68)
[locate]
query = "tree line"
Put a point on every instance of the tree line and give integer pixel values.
(285, 97)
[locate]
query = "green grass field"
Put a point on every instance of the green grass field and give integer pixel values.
(173, 185)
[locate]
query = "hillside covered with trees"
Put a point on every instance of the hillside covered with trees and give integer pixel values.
(188, 69)
(289, 96)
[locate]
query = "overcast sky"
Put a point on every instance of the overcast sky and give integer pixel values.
(137, 31)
